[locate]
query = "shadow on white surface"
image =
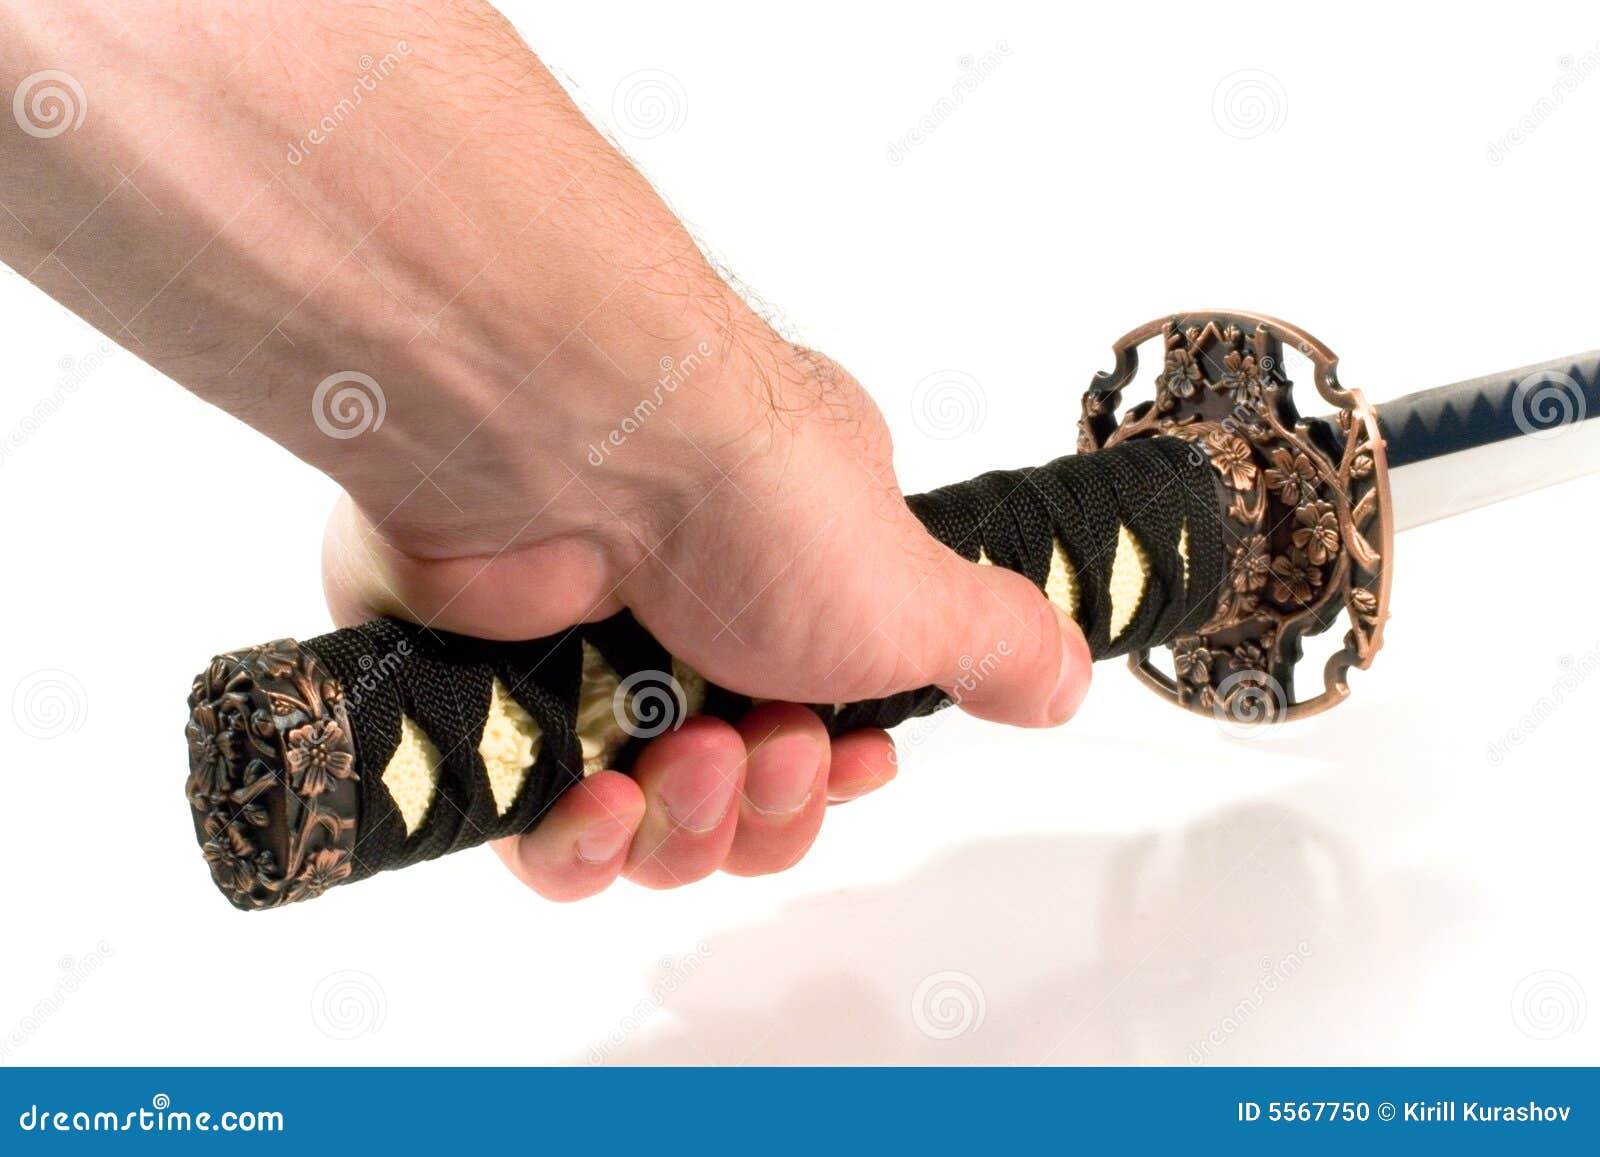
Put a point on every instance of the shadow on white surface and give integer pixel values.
(1393, 899)
(1218, 943)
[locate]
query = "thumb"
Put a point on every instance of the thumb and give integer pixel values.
(997, 646)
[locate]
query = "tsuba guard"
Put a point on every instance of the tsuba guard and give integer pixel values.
(1304, 506)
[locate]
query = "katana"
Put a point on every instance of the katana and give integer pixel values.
(1207, 517)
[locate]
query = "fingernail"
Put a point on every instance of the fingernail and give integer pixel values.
(851, 777)
(697, 798)
(857, 790)
(1071, 684)
(782, 775)
(603, 841)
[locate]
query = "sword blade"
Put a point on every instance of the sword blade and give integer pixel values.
(1459, 447)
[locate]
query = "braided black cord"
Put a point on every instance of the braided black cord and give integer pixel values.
(1161, 489)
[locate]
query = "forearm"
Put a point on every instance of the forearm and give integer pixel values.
(403, 192)
(263, 203)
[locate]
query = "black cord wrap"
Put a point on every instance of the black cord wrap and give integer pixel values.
(1161, 490)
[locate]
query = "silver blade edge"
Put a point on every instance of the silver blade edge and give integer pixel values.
(1455, 448)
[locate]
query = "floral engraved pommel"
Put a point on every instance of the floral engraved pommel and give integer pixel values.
(272, 775)
(317, 755)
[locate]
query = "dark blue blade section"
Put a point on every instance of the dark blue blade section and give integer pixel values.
(1532, 400)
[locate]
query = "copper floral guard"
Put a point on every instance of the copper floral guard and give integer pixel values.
(1304, 505)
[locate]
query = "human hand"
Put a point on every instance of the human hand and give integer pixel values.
(781, 562)
(467, 242)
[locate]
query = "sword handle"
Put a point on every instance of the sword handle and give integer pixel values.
(379, 746)
(1212, 517)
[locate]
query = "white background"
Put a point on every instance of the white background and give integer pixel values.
(1109, 893)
